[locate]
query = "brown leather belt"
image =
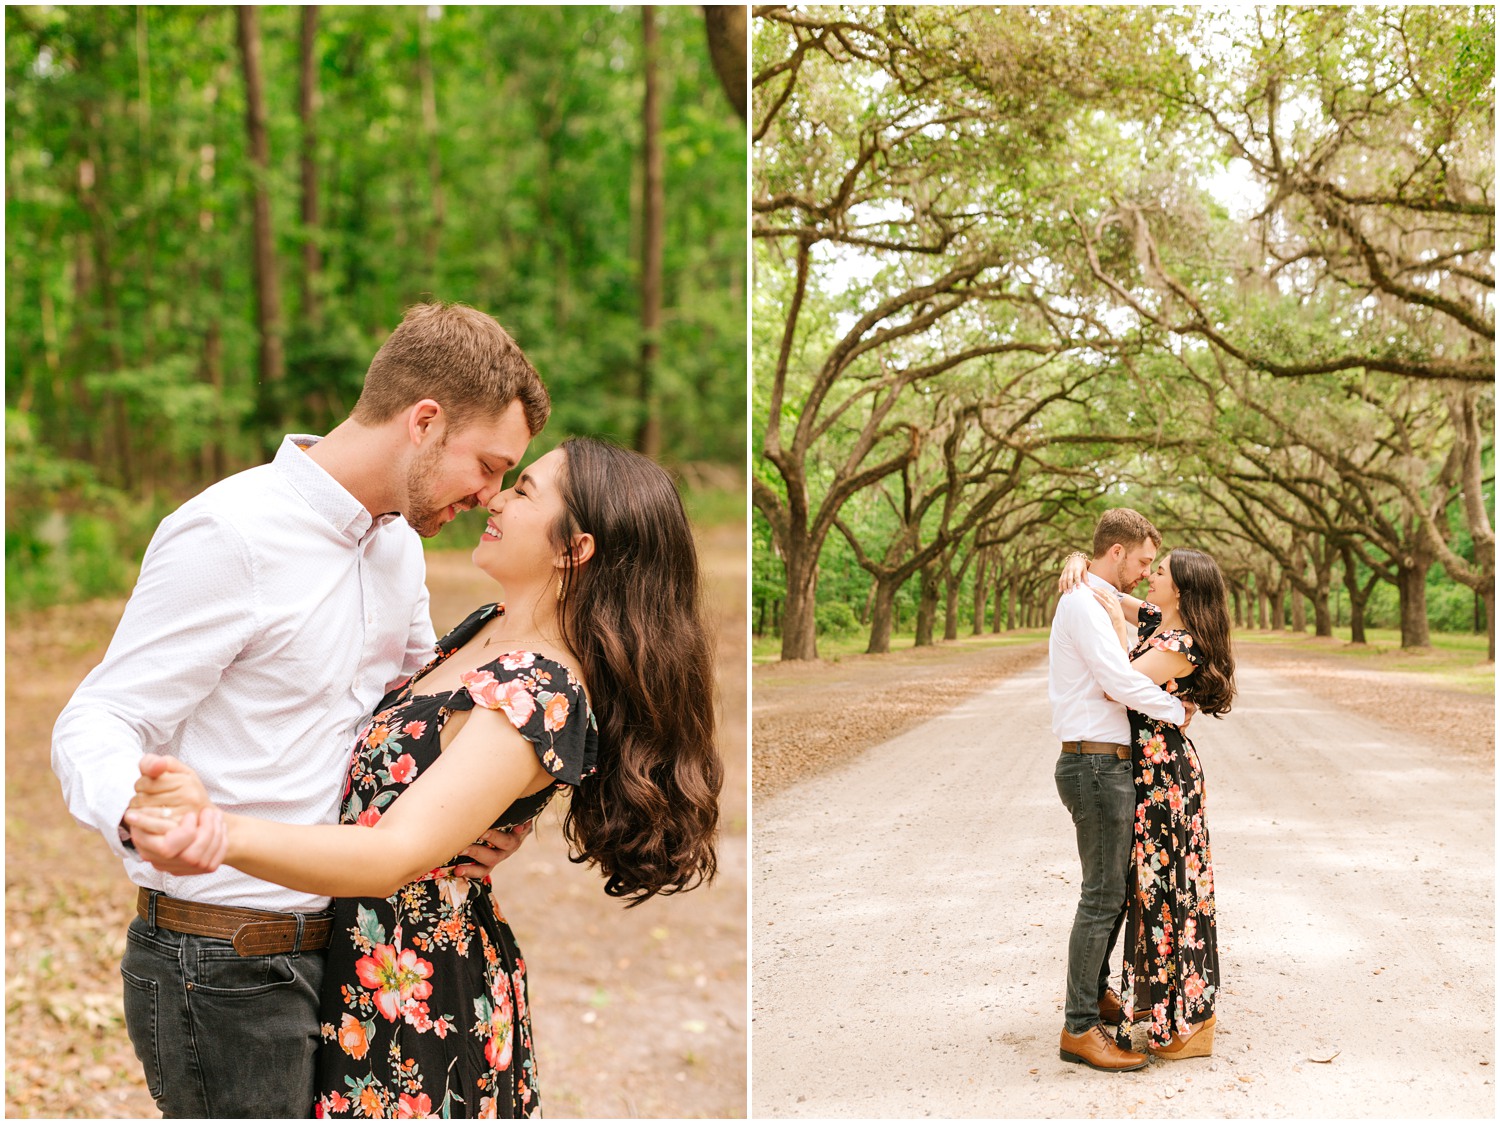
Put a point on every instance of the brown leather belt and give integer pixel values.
(1112, 748)
(253, 932)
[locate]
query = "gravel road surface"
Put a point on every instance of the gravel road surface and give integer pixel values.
(911, 915)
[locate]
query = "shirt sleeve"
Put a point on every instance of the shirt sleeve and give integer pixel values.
(1100, 650)
(194, 608)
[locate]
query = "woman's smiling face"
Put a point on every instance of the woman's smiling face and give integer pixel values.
(517, 540)
(1161, 591)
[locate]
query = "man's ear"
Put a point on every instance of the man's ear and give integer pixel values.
(1115, 552)
(424, 421)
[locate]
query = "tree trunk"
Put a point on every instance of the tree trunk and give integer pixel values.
(728, 49)
(1322, 618)
(1358, 596)
(272, 365)
(433, 238)
(1322, 581)
(312, 257)
(1411, 587)
(1299, 612)
(1010, 606)
(648, 435)
(981, 594)
(882, 616)
(950, 616)
(1239, 615)
(927, 603)
(799, 622)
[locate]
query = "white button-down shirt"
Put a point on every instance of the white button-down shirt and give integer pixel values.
(271, 614)
(1084, 662)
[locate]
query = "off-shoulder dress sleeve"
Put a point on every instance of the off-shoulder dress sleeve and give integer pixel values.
(1147, 620)
(1178, 641)
(545, 703)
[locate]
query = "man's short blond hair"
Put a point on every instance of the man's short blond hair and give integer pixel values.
(460, 358)
(1125, 526)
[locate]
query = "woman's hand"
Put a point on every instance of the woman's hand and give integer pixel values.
(1111, 605)
(1073, 570)
(167, 785)
(1116, 613)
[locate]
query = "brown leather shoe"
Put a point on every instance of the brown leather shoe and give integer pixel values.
(1097, 1050)
(1111, 1010)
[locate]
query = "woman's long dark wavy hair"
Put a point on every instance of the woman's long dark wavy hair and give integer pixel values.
(632, 615)
(1203, 604)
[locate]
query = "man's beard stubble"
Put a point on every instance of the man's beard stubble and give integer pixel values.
(421, 510)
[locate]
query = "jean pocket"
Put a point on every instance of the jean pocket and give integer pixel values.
(222, 971)
(140, 1024)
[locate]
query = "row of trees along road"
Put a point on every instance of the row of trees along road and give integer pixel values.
(1017, 265)
(217, 214)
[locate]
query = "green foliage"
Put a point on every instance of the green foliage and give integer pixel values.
(1248, 254)
(67, 537)
(131, 337)
(836, 619)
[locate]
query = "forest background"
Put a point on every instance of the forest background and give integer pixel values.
(1015, 266)
(215, 215)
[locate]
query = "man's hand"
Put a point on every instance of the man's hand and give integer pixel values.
(1189, 709)
(194, 844)
(493, 848)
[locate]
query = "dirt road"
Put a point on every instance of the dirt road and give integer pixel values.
(912, 910)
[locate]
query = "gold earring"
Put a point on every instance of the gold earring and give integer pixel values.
(559, 590)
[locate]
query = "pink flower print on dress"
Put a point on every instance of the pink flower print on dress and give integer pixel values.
(414, 729)
(1192, 987)
(497, 1050)
(399, 979)
(510, 696)
(418, 1107)
(514, 661)
(404, 767)
(518, 983)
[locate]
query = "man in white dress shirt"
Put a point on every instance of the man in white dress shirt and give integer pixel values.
(1090, 683)
(273, 611)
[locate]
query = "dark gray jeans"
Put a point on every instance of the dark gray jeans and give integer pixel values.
(1098, 791)
(220, 1034)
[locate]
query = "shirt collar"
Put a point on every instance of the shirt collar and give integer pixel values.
(325, 495)
(1099, 583)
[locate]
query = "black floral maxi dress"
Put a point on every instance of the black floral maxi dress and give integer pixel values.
(1171, 975)
(424, 1009)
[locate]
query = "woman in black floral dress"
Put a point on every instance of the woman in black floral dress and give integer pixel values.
(596, 676)
(1171, 976)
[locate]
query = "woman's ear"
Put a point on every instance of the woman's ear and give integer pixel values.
(582, 550)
